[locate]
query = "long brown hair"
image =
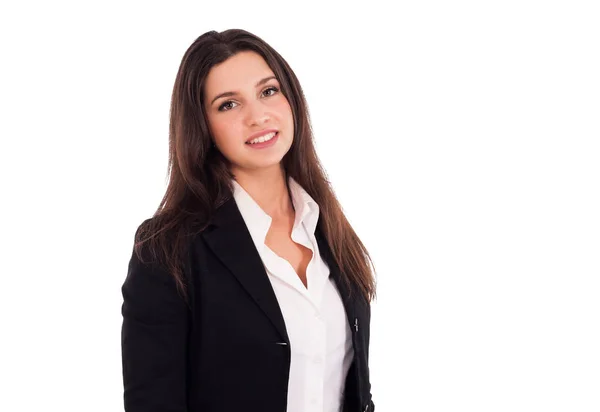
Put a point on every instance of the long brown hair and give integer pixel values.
(200, 177)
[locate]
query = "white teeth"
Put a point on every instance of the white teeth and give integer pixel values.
(264, 138)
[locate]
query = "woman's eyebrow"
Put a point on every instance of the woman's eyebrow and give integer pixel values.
(227, 94)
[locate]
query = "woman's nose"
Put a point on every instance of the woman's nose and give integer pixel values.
(256, 114)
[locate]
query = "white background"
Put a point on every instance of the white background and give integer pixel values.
(462, 139)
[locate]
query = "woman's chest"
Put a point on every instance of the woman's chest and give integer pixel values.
(279, 240)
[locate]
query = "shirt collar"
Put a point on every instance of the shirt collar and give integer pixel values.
(259, 222)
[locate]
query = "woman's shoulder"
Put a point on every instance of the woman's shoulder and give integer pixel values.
(166, 226)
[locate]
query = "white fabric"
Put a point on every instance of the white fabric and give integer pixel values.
(315, 319)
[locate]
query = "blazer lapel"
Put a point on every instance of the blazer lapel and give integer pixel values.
(334, 272)
(231, 242)
(229, 239)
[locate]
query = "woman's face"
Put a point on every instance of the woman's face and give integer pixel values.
(255, 104)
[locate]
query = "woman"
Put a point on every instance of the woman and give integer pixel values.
(248, 290)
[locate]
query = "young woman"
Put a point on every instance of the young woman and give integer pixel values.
(248, 290)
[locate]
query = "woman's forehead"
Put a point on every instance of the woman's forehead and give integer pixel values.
(243, 70)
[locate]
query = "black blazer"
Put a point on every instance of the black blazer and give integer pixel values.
(228, 351)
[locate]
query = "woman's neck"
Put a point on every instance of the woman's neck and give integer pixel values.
(269, 189)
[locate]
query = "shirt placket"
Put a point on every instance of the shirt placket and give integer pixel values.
(316, 365)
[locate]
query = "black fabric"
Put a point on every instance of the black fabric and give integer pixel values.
(224, 352)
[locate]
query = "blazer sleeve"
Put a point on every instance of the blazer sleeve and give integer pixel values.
(368, 338)
(153, 340)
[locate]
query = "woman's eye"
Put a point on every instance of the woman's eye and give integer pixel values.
(223, 105)
(275, 90)
(227, 103)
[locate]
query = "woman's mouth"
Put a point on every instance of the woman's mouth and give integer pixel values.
(264, 141)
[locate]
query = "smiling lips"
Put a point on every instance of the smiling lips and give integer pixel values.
(263, 138)
(263, 132)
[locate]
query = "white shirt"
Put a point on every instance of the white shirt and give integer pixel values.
(315, 318)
